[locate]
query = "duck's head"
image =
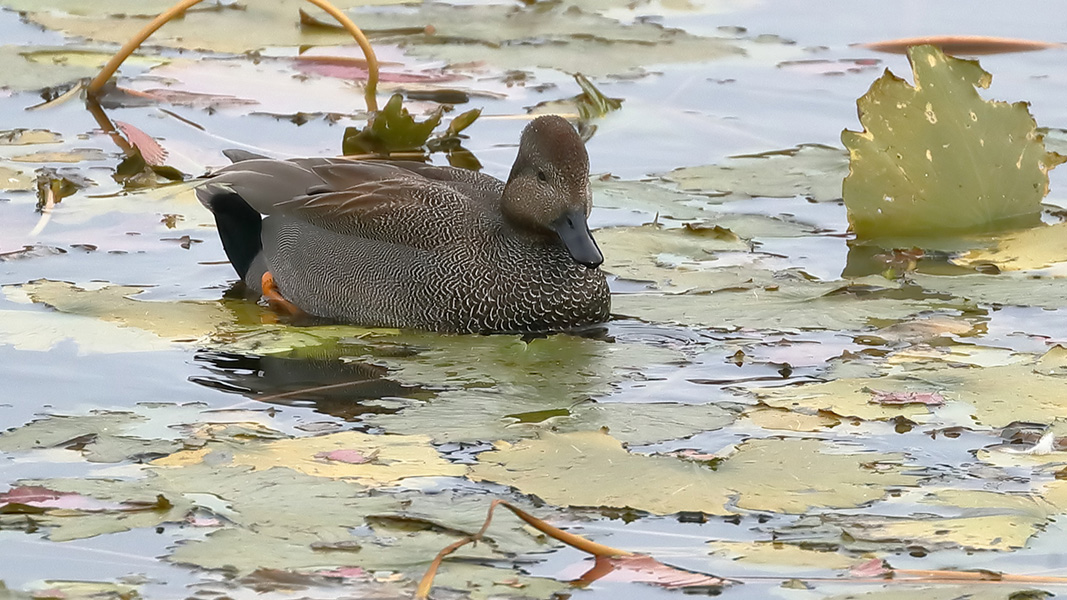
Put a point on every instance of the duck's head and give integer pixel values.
(548, 189)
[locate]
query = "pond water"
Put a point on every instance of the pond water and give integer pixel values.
(161, 436)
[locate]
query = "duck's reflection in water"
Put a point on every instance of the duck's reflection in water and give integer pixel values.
(330, 386)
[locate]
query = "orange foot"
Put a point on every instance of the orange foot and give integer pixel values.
(275, 299)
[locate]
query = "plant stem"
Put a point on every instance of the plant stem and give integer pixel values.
(370, 91)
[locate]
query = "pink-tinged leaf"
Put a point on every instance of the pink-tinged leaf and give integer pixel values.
(203, 521)
(641, 568)
(962, 44)
(192, 99)
(901, 398)
(151, 151)
(347, 572)
(875, 567)
(354, 457)
(42, 497)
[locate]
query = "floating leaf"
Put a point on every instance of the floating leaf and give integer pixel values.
(1026, 250)
(395, 457)
(766, 300)
(100, 437)
(173, 320)
(639, 568)
(655, 199)
(1013, 288)
(780, 555)
(768, 418)
(898, 398)
(13, 180)
(671, 258)
(962, 44)
(472, 416)
(42, 331)
(997, 395)
(937, 160)
(987, 521)
(811, 171)
(592, 469)
(26, 69)
(29, 497)
(25, 137)
(71, 156)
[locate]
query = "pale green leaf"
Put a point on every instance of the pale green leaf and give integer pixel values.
(937, 159)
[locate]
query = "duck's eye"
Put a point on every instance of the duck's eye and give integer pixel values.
(542, 177)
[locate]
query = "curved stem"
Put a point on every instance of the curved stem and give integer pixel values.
(135, 42)
(370, 92)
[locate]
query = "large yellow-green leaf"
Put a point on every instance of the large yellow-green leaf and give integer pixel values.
(33, 69)
(779, 475)
(937, 159)
(755, 554)
(472, 415)
(767, 300)
(810, 171)
(14, 179)
(369, 459)
(1026, 250)
(1031, 390)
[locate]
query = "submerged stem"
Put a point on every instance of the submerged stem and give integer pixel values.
(370, 92)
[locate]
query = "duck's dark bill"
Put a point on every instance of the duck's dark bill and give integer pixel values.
(573, 229)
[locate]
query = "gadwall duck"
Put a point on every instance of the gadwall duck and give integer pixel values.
(404, 244)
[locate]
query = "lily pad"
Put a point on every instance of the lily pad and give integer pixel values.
(937, 159)
(391, 457)
(173, 320)
(787, 420)
(636, 252)
(782, 301)
(27, 137)
(1012, 288)
(278, 518)
(997, 395)
(986, 521)
(559, 368)
(812, 171)
(650, 197)
(12, 180)
(1027, 250)
(485, 415)
(70, 156)
(22, 74)
(41, 331)
(592, 469)
(773, 553)
(98, 436)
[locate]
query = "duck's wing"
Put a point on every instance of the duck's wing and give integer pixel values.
(371, 199)
(340, 173)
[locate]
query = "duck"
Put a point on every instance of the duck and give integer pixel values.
(398, 244)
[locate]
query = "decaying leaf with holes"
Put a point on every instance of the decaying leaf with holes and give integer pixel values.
(936, 159)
